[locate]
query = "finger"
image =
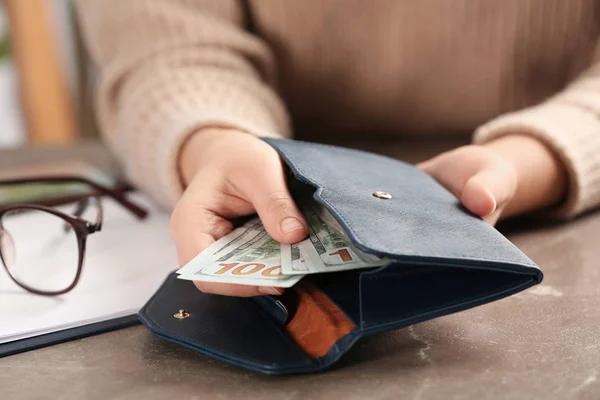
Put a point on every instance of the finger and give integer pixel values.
(477, 198)
(267, 190)
(193, 229)
(425, 166)
(189, 248)
(488, 190)
(456, 178)
(451, 174)
(230, 289)
(493, 217)
(481, 181)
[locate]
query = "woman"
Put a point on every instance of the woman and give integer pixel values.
(187, 85)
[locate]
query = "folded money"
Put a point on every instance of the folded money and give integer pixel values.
(327, 249)
(249, 256)
(246, 256)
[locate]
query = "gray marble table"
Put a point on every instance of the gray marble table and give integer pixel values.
(540, 344)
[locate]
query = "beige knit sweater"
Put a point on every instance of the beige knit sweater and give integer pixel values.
(397, 67)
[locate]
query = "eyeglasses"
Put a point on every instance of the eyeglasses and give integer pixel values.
(43, 248)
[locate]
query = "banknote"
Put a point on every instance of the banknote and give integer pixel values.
(249, 256)
(328, 248)
(292, 261)
(246, 256)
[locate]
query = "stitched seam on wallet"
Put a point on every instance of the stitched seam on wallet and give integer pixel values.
(319, 188)
(443, 306)
(201, 344)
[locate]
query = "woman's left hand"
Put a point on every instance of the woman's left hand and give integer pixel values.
(509, 176)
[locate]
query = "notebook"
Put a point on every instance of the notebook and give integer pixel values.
(124, 265)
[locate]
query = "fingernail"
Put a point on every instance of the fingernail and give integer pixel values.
(270, 290)
(494, 203)
(291, 224)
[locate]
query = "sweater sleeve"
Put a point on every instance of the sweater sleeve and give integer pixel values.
(168, 68)
(569, 124)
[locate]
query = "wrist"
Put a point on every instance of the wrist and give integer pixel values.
(541, 176)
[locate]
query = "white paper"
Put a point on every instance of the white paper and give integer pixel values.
(124, 265)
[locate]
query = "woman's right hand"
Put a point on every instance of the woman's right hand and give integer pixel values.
(229, 174)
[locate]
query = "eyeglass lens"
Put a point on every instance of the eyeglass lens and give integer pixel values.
(40, 249)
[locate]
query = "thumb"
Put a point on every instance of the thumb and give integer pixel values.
(488, 191)
(277, 210)
(481, 180)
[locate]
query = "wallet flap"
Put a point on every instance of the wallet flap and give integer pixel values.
(233, 329)
(422, 221)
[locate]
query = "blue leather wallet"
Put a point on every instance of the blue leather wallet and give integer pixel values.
(442, 260)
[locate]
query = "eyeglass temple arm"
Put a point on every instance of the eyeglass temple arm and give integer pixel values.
(82, 206)
(120, 198)
(114, 194)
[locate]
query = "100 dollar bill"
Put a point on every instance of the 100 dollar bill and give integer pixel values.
(327, 249)
(246, 256)
(292, 261)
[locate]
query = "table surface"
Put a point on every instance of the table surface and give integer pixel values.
(543, 343)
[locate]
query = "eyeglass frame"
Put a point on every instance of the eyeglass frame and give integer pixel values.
(82, 228)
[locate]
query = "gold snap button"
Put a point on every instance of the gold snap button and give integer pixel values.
(182, 314)
(382, 195)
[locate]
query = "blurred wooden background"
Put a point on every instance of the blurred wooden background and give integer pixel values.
(51, 68)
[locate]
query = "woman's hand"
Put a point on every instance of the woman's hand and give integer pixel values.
(231, 174)
(509, 176)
